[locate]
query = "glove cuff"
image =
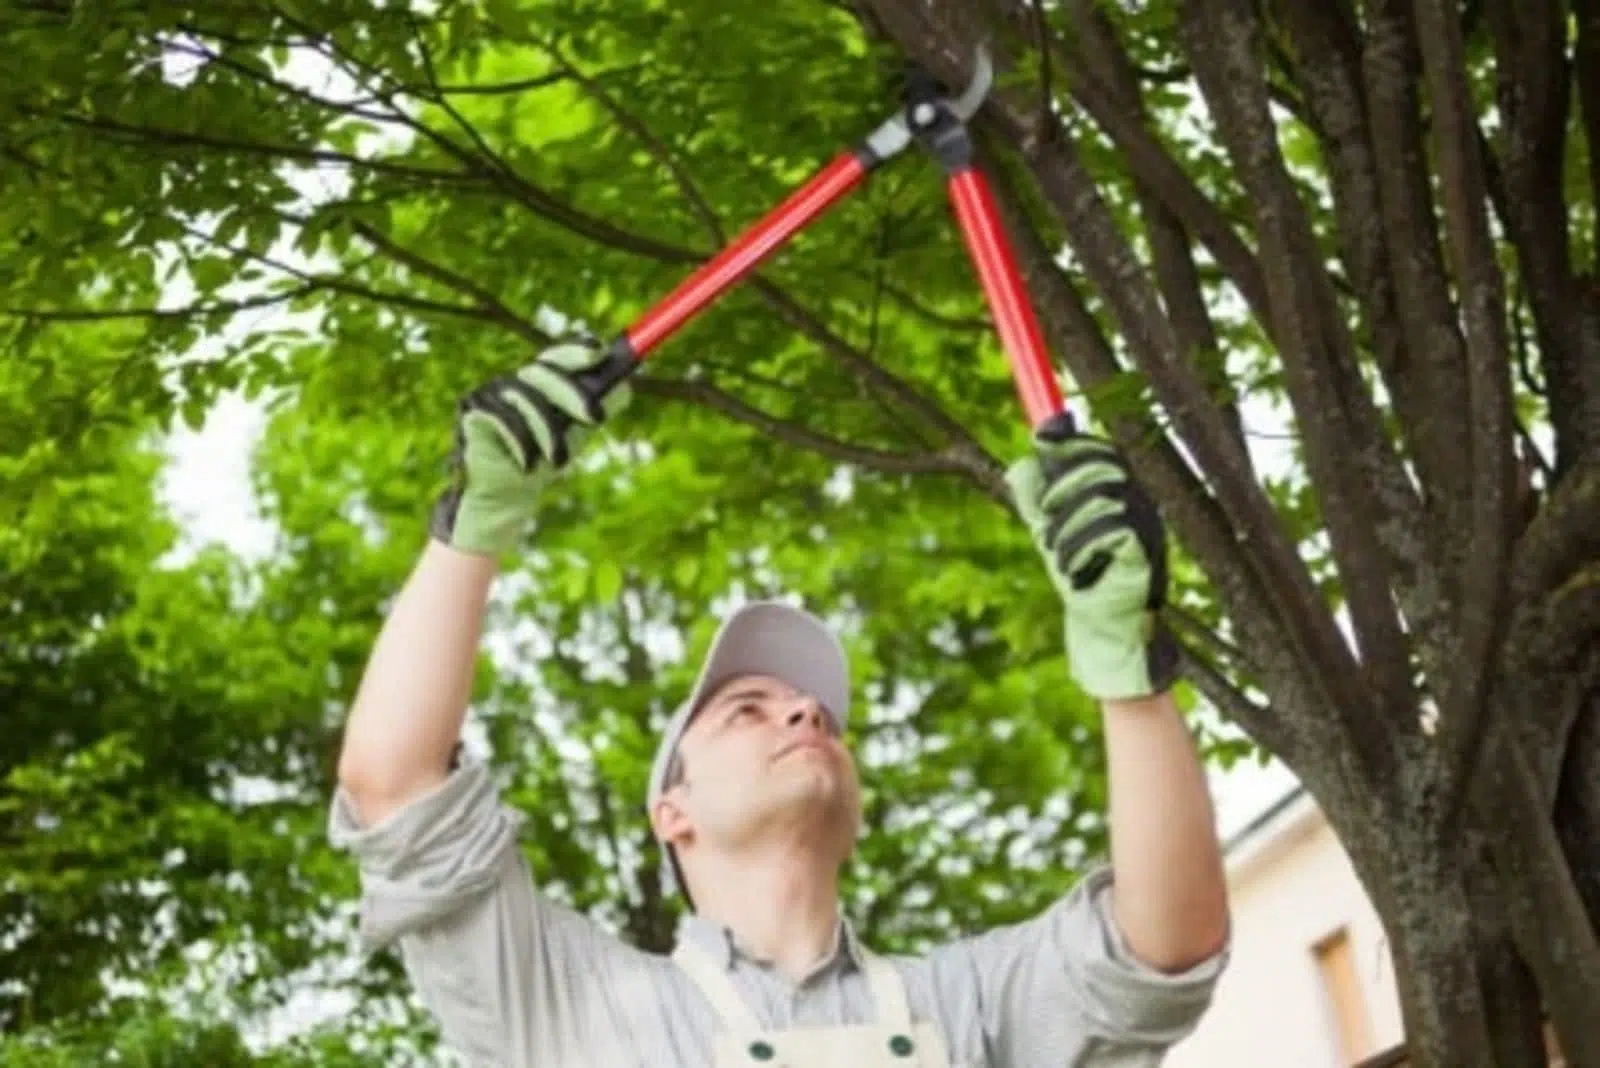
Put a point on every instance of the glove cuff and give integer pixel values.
(469, 525)
(1110, 667)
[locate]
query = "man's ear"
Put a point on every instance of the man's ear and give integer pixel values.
(669, 821)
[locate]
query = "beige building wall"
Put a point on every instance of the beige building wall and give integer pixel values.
(1311, 983)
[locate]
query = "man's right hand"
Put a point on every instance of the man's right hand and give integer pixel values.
(513, 434)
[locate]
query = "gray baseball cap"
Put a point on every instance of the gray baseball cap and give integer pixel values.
(762, 638)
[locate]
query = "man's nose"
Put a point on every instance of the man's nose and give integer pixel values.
(807, 712)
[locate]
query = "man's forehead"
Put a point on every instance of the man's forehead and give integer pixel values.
(734, 688)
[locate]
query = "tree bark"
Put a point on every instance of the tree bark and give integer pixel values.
(1577, 813)
(1416, 882)
(1545, 914)
(1512, 1007)
(1483, 891)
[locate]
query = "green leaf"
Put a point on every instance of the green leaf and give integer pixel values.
(607, 581)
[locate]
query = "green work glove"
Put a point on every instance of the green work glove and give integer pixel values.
(1105, 546)
(514, 433)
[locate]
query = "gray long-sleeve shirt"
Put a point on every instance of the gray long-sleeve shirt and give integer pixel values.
(519, 981)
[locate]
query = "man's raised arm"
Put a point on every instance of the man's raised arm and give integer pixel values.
(512, 436)
(406, 718)
(1170, 896)
(1105, 547)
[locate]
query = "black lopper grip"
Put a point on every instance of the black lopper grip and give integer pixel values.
(1059, 427)
(619, 364)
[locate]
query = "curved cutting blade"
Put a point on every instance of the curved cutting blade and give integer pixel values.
(966, 105)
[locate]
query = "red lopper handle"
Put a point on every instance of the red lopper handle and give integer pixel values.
(1009, 303)
(746, 252)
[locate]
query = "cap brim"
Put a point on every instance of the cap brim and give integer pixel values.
(762, 638)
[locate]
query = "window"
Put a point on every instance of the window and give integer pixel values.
(1352, 1026)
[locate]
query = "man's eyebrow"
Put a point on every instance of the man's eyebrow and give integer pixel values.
(744, 693)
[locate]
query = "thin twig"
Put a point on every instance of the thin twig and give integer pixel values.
(93, 315)
(881, 460)
(487, 302)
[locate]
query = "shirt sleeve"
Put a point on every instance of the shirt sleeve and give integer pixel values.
(501, 967)
(1064, 989)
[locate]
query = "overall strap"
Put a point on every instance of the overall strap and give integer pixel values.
(718, 989)
(888, 992)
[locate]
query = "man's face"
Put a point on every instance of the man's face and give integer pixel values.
(761, 758)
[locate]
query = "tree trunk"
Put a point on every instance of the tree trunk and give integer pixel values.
(1554, 934)
(1578, 806)
(1510, 992)
(1474, 925)
(1427, 912)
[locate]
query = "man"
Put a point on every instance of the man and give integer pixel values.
(756, 800)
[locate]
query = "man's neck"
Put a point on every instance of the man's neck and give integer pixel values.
(782, 906)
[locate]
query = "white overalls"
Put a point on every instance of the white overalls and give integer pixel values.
(892, 1042)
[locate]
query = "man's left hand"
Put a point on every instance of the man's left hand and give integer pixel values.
(1105, 546)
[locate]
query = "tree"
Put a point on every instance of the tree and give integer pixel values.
(1372, 225)
(165, 764)
(981, 767)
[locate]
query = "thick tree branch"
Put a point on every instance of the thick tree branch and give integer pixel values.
(1586, 67)
(1279, 657)
(1335, 412)
(1546, 913)
(1548, 668)
(1577, 802)
(1324, 36)
(1534, 85)
(1488, 411)
(1091, 79)
(1563, 537)
(1171, 257)
(1437, 436)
